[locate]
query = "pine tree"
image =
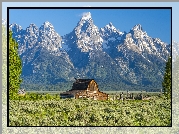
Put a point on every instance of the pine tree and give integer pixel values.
(15, 67)
(167, 79)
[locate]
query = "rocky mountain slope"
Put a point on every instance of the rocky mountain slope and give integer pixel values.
(116, 60)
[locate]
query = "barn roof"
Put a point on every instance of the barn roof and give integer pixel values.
(83, 80)
(81, 84)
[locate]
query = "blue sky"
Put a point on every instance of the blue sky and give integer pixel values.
(155, 23)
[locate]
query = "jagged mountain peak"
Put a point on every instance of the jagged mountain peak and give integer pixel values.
(110, 26)
(85, 20)
(86, 16)
(47, 25)
(137, 27)
(85, 35)
(15, 28)
(111, 29)
(32, 27)
(14, 25)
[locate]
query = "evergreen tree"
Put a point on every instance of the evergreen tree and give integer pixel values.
(167, 79)
(15, 67)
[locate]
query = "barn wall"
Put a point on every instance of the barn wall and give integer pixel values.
(95, 95)
(92, 86)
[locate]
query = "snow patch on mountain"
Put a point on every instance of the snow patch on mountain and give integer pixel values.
(111, 37)
(137, 27)
(49, 38)
(104, 44)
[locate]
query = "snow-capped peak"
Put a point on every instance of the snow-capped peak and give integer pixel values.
(86, 16)
(32, 28)
(137, 27)
(110, 26)
(15, 27)
(48, 24)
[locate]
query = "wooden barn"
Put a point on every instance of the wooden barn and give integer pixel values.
(85, 88)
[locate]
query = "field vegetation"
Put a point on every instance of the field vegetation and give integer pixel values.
(49, 110)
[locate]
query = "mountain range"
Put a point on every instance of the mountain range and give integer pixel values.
(116, 60)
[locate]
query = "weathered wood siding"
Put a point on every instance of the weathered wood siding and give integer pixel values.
(95, 95)
(92, 86)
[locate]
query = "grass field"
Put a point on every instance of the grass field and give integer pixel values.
(46, 111)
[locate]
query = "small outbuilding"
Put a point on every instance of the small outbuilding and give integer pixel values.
(85, 88)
